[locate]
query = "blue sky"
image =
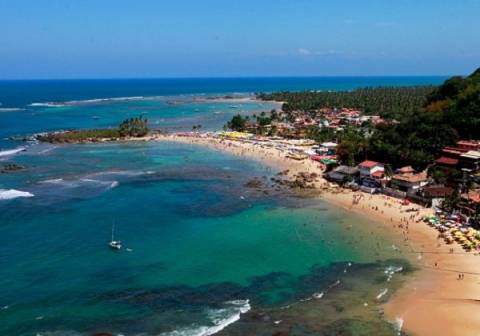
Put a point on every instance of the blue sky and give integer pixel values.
(210, 38)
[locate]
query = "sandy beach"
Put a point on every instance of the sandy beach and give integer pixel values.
(434, 301)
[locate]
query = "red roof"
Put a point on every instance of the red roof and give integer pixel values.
(473, 197)
(446, 161)
(368, 164)
(454, 151)
(473, 144)
(378, 174)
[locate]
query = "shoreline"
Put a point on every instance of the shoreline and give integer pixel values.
(433, 293)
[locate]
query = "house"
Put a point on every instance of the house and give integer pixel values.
(470, 161)
(431, 195)
(328, 148)
(446, 162)
(469, 144)
(453, 152)
(409, 181)
(343, 174)
(405, 170)
(472, 197)
(371, 169)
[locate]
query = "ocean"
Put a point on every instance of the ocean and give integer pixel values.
(202, 253)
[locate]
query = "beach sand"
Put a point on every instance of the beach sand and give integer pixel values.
(434, 301)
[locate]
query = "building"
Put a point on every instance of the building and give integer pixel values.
(431, 195)
(371, 169)
(465, 156)
(409, 181)
(343, 174)
(446, 162)
(469, 145)
(470, 161)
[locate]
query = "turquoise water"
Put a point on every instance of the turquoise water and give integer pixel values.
(200, 249)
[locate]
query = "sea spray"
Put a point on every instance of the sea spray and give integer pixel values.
(9, 152)
(220, 318)
(8, 194)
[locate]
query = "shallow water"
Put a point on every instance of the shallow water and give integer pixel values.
(202, 253)
(196, 241)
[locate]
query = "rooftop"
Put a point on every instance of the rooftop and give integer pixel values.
(473, 196)
(378, 174)
(438, 191)
(411, 178)
(471, 154)
(368, 164)
(346, 170)
(446, 161)
(406, 170)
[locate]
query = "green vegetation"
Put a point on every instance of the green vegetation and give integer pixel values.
(79, 135)
(451, 112)
(133, 127)
(238, 123)
(388, 102)
(429, 118)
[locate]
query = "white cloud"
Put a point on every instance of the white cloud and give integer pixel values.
(303, 51)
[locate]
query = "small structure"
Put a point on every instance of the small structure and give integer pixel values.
(469, 144)
(327, 148)
(431, 195)
(472, 197)
(406, 179)
(470, 161)
(371, 169)
(446, 162)
(343, 174)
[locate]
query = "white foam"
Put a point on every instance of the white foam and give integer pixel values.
(382, 293)
(48, 104)
(318, 295)
(84, 102)
(101, 100)
(8, 194)
(10, 109)
(391, 270)
(399, 325)
(80, 182)
(12, 151)
(221, 318)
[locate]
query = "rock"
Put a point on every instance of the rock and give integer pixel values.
(253, 184)
(11, 167)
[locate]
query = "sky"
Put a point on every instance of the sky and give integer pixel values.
(228, 38)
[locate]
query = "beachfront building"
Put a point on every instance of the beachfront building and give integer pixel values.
(407, 180)
(472, 202)
(327, 148)
(371, 169)
(431, 195)
(343, 174)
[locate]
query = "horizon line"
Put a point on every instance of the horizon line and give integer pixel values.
(221, 77)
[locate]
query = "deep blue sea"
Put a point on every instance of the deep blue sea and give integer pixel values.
(202, 253)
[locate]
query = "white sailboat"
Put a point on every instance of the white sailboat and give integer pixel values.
(115, 244)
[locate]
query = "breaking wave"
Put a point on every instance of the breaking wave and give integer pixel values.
(82, 182)
(10, 109)
(86, 101)
(8, 194)
(12, 151)
(220, 318)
